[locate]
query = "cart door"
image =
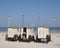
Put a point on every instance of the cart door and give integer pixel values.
(24, 32)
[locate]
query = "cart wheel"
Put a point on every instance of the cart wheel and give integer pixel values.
(6, 37)
(47, 38)
(29, 38)
(15, 37)
(32, 38)
(19, 38)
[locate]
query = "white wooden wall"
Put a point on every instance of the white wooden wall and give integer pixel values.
(12, 32)
(43, 32)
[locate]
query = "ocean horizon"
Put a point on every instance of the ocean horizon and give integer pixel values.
(51, 29)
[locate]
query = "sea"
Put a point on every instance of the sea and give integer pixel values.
(51, 29)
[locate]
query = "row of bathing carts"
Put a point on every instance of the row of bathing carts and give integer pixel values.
(26, 34)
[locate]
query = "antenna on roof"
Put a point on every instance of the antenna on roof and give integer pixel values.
(38, 17)
(53, 19)
(32, 25)
(9, 18)
(22, 20)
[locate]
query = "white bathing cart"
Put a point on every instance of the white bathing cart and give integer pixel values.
(27, 33)
(13, 33)
(43, 34)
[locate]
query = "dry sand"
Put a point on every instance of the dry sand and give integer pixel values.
(55, 43)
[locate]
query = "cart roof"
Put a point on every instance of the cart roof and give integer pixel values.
(43, 26)
(13, 27)
(26, 27)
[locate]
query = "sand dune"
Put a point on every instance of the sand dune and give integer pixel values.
(55, 43)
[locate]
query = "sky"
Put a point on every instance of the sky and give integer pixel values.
(30, 9)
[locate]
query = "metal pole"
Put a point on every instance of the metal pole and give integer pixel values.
(22, 20)
(9, 18)
(38, 18)
(53, 18)
(53, 22)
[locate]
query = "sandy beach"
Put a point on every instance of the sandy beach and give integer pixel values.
(55, 43)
